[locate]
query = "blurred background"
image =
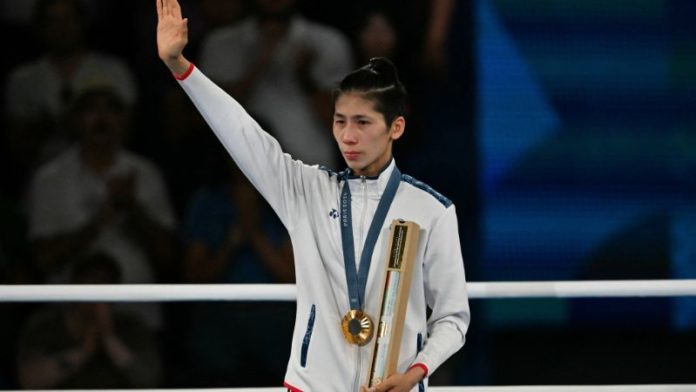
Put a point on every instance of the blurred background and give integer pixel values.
(564, 131)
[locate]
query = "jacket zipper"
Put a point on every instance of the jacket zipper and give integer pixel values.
(307, 337)
(361, 237)
(363, 182)
(419, 347)
(356, 383)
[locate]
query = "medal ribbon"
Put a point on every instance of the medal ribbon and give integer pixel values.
(357, 280)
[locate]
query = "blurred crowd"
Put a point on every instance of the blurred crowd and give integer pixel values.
(109, 175)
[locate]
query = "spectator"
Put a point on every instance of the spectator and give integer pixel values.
(213, 15)
(283, 67)
(181, 150)
(376, 36)
(218, 13)
(37, 93)
(8, 327)
(88, 345)
(14, 251)
(97, 195)
(233, 236)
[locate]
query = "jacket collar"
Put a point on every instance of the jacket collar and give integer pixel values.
(375, 184)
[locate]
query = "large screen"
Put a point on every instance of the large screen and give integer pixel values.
(587, 138)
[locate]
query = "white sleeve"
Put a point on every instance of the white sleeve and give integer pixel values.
(445, 291)
(273, 173)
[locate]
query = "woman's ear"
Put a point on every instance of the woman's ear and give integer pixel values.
(398, 127)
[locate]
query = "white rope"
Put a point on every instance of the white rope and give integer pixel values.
(278, 292)
(287, 292)
(588, 288)
(546, 388)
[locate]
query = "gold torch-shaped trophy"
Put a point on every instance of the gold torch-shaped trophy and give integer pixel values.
(401, 251)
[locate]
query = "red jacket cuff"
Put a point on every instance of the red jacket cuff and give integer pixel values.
(422, 366)
(184, 75)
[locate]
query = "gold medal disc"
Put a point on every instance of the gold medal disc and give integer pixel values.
(357, 327)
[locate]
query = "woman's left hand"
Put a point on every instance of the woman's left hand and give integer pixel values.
(400, 382)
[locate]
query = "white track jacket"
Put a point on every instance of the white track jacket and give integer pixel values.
(306, 198)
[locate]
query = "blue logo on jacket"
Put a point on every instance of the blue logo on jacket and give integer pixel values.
(333, 213)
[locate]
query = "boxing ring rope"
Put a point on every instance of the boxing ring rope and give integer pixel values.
(287, 292)
(533, 388)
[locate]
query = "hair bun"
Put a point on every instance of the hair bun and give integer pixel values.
(385, 68)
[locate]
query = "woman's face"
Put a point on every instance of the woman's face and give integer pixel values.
(362, 135)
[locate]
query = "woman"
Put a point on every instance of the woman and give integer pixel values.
(331, 220)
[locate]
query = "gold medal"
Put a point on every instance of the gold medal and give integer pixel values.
(357, 327)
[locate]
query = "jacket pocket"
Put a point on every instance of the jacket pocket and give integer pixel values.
(307, 337)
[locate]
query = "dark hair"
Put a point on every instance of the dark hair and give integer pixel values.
(378, 81)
